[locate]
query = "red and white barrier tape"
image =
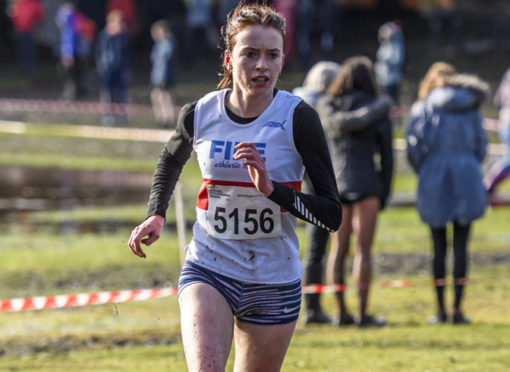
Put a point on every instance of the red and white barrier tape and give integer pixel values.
(83, 299)
(323, 288)
(396, 284)
(101, 298)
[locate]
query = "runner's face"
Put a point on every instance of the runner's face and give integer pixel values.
(256, 59)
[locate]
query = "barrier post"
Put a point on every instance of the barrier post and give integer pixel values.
(181, 220)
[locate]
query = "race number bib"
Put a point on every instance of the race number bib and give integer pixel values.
(242, 213)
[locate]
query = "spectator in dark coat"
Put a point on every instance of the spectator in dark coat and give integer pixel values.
(113, 62)
(363, 183)
(317, 81)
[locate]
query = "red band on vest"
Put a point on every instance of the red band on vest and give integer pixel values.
(203, 198)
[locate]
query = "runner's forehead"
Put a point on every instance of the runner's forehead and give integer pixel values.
(259, 37)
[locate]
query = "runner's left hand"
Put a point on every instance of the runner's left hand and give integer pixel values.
(256, 166)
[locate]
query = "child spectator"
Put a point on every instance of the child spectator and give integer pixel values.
(113, 63)
(162, 73)
(390, 59)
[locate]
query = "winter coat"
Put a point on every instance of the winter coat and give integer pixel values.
(445, 145)
(162, 57)
(113, 53)
(353, 147)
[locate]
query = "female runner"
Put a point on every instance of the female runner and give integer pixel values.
(242, 278)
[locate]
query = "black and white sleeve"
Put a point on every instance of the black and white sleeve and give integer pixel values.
(323, 207)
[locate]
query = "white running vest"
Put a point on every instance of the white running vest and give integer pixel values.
(239, 232)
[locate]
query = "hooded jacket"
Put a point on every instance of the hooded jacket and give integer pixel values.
(446, 144)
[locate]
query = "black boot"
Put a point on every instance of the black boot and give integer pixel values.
(314, 313)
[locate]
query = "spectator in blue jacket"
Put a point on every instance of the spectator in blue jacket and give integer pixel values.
(390, 59)
(113, 62)
(74, 49)
(162, 73)
(446, 144)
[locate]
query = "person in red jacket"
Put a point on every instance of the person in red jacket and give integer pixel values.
(26, 16)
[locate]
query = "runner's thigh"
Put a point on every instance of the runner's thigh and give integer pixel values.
(261, 348)
(206, 326)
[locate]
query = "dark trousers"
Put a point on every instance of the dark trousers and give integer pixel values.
(314, 269)
(460, 240)
(27, 52)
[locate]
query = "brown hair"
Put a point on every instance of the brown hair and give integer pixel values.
(356, 74)
(246, 15)
(434, 78)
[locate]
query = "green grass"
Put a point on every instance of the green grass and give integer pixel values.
(400, 230)
(44, 264)
(404, 182)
